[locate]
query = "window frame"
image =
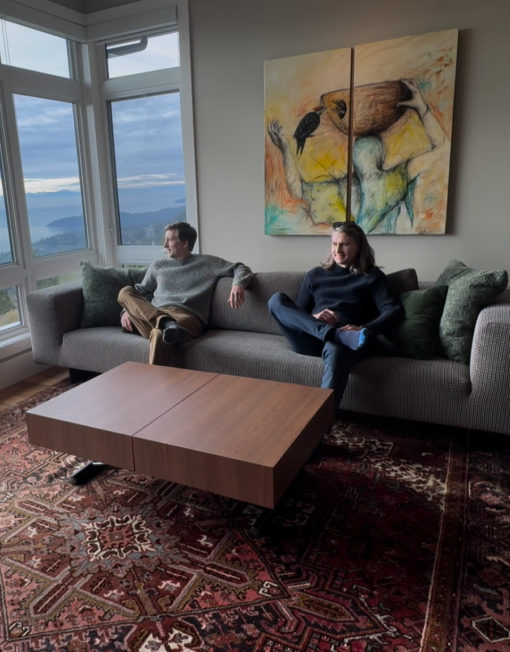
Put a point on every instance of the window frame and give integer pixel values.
(88, 90)
(127, 87)
(26, 270)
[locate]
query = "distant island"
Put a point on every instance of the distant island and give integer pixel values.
(136, 228)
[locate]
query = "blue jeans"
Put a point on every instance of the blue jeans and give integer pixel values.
(309, 336)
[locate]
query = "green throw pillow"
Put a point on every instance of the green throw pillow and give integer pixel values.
(417, 335)
(469, 290)
(101, 286)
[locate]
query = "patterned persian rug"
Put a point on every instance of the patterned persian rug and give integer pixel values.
(395, 536)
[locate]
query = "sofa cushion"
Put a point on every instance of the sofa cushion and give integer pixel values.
(417, 335)
(101, 286)
(258, 355)
(469, 290)
(404, 280)
(253, 315)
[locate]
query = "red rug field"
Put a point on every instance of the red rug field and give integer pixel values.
(395, 536)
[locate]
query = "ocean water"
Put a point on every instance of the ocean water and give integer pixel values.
(36, 233)
(44, 208)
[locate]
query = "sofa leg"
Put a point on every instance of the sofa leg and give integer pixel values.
(80, 375)
(87, 472)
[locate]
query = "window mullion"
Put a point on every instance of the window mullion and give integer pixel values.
(158, 81)
(188, 134)
(27, 82)
(83, 138)
(100, 177)
(15, 190)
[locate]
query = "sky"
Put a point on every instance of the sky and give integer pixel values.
(147, 141)
(147, 130)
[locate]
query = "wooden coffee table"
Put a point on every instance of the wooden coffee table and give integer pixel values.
(238, 437)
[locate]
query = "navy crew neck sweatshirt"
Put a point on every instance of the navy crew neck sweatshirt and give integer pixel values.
(358, 299)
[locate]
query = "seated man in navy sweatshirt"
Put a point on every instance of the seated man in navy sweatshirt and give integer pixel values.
(339, 306)
(181, 287)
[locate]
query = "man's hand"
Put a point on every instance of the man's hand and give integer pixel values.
(327, 316)
(351, 327)
(126, 322)
(236, 298)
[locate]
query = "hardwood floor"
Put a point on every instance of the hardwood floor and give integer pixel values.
(31, 385)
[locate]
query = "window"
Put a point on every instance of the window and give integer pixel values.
(143, 54)
(32, 49)
(9, 308)
(148, 135)
(42, 226)
(149, 166)
(57, 280)
(92, 148)
(5, 234)
(47, 138)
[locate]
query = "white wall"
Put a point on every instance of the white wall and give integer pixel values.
(230, 40)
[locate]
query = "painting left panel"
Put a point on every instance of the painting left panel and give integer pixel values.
(305, 153)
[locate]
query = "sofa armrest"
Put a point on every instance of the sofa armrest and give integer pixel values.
(51, 313)
(490, 356)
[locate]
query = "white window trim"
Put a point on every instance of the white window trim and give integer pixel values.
(92, 125)
(22, 82)
(108, 30)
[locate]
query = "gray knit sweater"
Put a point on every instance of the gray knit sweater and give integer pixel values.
(189, 283)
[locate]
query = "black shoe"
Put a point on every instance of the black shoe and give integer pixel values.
(353, 339)
(175, 334)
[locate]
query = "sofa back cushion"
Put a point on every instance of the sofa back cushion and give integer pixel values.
(404, 280)
(254, 315)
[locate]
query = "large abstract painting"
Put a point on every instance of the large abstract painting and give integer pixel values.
(361, 134)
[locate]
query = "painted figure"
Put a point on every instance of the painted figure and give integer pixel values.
(380, 194)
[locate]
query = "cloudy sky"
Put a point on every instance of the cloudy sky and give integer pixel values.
(147, 133)
(147, 140)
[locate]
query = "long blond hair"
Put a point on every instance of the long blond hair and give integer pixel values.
(366, 256)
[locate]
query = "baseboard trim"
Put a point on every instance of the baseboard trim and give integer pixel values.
(18, 367)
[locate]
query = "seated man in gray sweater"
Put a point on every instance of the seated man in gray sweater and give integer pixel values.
(181, 287)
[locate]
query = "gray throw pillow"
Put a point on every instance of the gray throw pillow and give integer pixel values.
(101, 286)
(469, 290)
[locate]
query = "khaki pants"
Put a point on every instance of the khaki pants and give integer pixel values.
(146, 318)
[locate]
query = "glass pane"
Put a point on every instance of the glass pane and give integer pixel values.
(9, 309)
(143, 54)
(5, 235)
(149, 164)
(32, 49)
(51, 174)
(57, 280)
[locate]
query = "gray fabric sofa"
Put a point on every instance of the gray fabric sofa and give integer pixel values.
(247, 342)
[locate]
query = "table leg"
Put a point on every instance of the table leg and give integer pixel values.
(258, 529)
(87, 472)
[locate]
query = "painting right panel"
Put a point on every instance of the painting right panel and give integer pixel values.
(401, 133)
